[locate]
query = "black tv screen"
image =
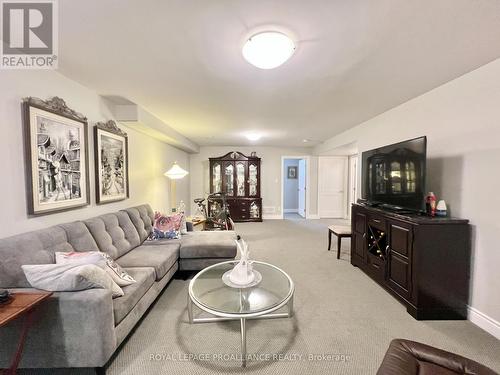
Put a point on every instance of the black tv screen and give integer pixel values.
(394, 175)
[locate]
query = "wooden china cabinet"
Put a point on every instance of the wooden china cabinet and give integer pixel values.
(238, 176)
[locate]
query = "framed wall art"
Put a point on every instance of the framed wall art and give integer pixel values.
(56, 156)
(292, 172)
(111, 162)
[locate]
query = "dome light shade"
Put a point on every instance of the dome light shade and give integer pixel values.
(268, 50)
(253, 136)
(176, 172)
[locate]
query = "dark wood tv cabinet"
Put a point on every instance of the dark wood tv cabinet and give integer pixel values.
(424, 262)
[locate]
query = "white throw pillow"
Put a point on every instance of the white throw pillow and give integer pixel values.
(69, 278)
(118, 274)
(81, 258)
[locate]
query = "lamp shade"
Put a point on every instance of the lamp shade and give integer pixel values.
(176, 172)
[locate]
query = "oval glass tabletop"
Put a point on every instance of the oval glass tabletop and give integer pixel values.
(208, 290)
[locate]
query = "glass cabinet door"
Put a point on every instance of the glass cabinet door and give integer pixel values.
(254, 210)
(216, 178)
(253, 179)
(240, 179)
(229, 179)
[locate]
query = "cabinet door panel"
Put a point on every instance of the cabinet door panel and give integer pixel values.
(216, 177)
(359, 222)
(399, 274)
(253, 179)
(358, 241)
(241, 178)
(228, 180)
(400, 239)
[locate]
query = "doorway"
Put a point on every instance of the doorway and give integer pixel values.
(294, 187)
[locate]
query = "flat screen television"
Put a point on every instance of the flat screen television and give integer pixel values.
(394, 175)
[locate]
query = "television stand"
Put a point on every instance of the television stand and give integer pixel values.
(422, 261)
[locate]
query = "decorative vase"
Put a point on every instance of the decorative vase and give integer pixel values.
(441, 209)
(242, 273)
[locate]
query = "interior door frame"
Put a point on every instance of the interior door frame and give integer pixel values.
(346, 182)
(307, 159)
(353, 182)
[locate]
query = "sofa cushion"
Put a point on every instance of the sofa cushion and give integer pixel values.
(161, 256)
(36, 247)
(114, 233)
(208, 244)
(142, 217)
(145, 277)
(79, 236)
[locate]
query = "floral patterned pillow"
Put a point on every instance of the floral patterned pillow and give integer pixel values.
(168, 227)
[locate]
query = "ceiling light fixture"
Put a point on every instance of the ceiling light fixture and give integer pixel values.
(268, 50)
(253, 136)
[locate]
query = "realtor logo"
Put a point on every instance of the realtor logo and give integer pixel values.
(29, 35)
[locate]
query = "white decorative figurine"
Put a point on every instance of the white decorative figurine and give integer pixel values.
(242, 273)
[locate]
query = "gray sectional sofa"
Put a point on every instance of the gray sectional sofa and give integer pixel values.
(84, 328)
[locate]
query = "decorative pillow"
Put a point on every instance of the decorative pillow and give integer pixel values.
(81, 258)
(69, 278)
(118, 274)
(166, 226)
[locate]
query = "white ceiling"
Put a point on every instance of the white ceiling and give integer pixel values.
(181, 60)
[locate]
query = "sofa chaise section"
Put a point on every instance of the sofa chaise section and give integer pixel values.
(197, 249)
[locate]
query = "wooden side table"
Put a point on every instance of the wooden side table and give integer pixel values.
(200, 223)
(21, 304)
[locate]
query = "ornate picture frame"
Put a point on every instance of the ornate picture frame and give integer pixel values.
(56, 156)
(111, 163)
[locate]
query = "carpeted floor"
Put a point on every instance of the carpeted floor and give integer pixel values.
(343, 321)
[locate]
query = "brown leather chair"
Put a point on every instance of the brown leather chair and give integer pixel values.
(405, 357)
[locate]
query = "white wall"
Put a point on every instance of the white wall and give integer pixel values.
(148, 158)
(461, 120)
(270, 169)
(290, 186)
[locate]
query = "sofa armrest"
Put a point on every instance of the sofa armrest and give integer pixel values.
(406, 357)
(70, 329)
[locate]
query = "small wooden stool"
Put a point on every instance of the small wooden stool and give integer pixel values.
(340, 231)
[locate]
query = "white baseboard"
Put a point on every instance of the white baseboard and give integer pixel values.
(290, 210)
(483, 321)
(313, 217)
(271, 217)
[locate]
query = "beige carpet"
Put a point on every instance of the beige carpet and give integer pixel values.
(343, 321)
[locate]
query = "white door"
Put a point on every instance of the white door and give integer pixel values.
(302, 188)
(332, 186)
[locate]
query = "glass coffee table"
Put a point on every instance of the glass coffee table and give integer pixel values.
(208, 292)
